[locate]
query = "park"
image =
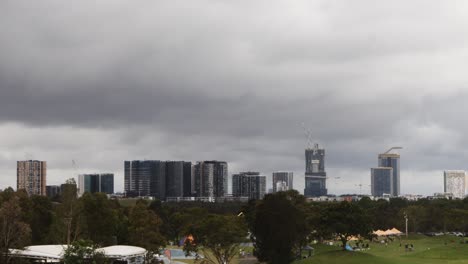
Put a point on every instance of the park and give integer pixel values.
(427, 250)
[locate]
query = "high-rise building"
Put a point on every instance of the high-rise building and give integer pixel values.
(315, 175)
(392, 160)
(174, 178)
(31, 176)
(107, 183)
(188, 188)
(94, 183)
(145, 178)
(249, 184)
(211, 178)
(52, 191)
(381, 181)
(204, 174)
(454, 183)
(282, 181)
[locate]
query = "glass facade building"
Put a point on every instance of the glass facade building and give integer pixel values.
(211, 178)
(282, 181)
(174, 178)
(94, 183)
(381, 181)
(249, 184)
(145, 178)
(390, 160)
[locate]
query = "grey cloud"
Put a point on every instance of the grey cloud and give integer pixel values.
(234, 81)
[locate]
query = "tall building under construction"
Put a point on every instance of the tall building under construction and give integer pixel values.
(315, 175)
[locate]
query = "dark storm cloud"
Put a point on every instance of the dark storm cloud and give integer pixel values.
(237, 79)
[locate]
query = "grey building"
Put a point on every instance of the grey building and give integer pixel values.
(381, 181)
(211, 178)
(391, 160)
(94, 183)
(315, 174)
(174, 178)
(282, 181)
(145, 178)
(203, 175)
(249, 184)
(52, 191)
(106, 184)
(188, 180)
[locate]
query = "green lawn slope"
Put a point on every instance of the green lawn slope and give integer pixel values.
(427, 250)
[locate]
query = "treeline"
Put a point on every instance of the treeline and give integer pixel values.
(34, 220)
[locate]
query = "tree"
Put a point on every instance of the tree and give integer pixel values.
(98, 218)
(279, 227)
(218, 237)
(143, 227)
(41, 217)
(14, 233)
(84, 252)
(345, 220)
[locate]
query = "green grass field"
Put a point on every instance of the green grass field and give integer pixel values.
(427, 250)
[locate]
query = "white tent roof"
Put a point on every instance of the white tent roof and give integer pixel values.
(55, 252)
(122, 251)
(47, 252)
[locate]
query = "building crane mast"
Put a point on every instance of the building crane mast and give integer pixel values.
(392, 148)
(308, 135)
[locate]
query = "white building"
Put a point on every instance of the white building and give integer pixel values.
(454, 183)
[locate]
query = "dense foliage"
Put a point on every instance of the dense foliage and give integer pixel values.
(280, 225)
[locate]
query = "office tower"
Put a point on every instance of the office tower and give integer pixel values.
(211, 178)
(381, 181)
(282, 181)
(204, 174)
(188, 182)
(174, 178)
(315, 175)
(52, 191)
(106, 183)
(145, 178)
(454, 183)
(94, 183)
(249, 184)
(392, 160)
(220, 178)
(31, 175)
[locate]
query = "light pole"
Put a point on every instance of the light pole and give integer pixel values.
(406, 225)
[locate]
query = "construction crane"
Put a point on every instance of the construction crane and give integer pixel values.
(392, 148)
(308, 135)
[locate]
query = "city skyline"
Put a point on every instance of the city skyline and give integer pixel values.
(114, 81)
(185, 189)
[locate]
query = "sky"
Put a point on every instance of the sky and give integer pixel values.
(100, 82)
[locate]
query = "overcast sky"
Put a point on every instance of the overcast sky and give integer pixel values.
(100, 82)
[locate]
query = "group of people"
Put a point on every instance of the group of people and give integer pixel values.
(408, 247)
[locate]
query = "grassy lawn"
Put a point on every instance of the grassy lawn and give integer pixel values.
(427, 250)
